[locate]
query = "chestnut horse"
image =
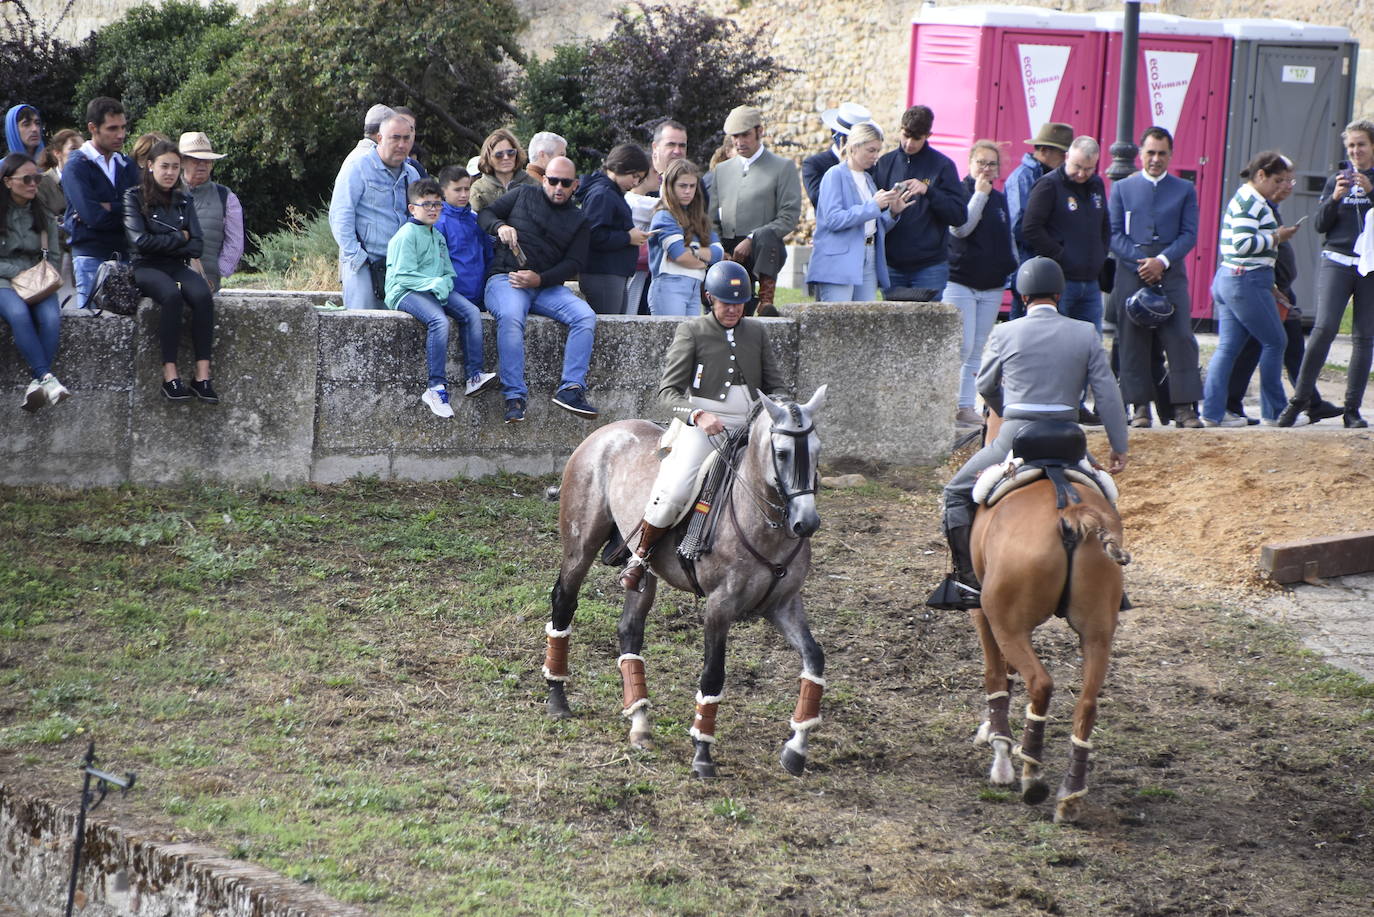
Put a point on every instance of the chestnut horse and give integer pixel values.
(1033, 559)
(757, 565)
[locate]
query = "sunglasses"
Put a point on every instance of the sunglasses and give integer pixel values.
(559, 182)
(504, 154)
(24, 179)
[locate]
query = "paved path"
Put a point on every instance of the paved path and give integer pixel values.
(1335, 620)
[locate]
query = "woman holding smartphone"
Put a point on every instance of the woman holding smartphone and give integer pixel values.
(1341, 212)
(164, 238)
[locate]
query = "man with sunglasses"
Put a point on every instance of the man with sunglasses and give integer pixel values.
(543, 241)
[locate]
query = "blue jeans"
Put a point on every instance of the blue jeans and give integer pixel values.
(1082, 299)
(930, 277)
(978, 308)
(1245, 303)
(84, 269)
(426, 308)
(36, 329)
(511, 307)
(675, 294)
(357, 289)
(864, 291)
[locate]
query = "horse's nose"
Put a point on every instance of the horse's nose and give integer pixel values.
(806, 526)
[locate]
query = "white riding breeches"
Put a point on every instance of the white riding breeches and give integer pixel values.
(677, 472)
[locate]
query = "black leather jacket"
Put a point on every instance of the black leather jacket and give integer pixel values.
(158, 236)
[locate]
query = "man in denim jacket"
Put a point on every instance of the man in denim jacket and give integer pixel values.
(368, 206)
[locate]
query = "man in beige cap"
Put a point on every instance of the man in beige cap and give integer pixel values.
(217, 209)
(755, 203)
(1048, 149)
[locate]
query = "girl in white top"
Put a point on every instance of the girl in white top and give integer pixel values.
(681, 243)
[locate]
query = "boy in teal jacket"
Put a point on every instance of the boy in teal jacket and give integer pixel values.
(419, 280)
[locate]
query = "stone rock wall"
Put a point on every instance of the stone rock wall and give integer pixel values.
(310, 396)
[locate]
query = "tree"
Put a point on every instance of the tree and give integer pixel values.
(39, 68)
(552, 99)
(680, 63)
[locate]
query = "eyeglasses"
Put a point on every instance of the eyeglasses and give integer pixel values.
(428, 205)
(504, 154)
(559, 182)
(986, 163)
(24, 179)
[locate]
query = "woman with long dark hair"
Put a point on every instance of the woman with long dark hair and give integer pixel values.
(615, 240)
(36, 327)
(164, 238)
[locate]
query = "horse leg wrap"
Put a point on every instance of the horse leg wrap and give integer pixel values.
(997, 716)
(704, 723)
(1032, 745)
(1076, 777)
(635, 685)
(808, 712)
(556, 653)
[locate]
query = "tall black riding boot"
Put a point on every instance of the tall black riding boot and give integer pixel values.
(959, 591)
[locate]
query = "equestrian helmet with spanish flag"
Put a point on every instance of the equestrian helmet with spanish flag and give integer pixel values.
(729, 282)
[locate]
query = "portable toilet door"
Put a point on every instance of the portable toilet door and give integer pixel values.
(999, 72)
(1292, 90)
(1182, 85)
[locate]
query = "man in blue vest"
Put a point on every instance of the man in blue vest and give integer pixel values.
(1153, 219)
(95, 179)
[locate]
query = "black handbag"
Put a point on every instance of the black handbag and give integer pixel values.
(115, 288)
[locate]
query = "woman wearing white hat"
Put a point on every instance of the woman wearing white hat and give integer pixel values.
(840, 121)
(217, 208)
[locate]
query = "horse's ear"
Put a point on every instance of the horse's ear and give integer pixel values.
(775, 410)
(817, 401)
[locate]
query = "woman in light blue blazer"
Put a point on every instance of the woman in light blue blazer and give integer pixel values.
(848, 262)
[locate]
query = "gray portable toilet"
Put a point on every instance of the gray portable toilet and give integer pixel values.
(1292, 90)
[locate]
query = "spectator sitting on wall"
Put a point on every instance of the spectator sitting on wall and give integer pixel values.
(36, 327)
(544, 146)
(367, 207)
(543, 242)
(681, 244)
(469, 249)
(754, 217)
(94, 181)
(419, 280)
(502, 164)
(164, 238)
(614, 242)
(217, 208)
(1048, 147)
(840, 121)
(916, 246)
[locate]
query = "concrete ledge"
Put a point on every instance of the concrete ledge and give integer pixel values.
(125, 875)
(308, 395)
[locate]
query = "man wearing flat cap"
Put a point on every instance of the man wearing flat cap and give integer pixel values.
(840, 121)
(217, 208)
(755, 203)
(1048, 149)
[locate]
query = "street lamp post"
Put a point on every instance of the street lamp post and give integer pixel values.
(1124, 150)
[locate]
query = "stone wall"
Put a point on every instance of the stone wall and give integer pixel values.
(325, 396)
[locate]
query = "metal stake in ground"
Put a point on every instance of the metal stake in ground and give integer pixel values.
(91, 800)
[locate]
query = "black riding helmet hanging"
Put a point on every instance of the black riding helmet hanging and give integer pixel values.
(1039, 277)
(729, 282)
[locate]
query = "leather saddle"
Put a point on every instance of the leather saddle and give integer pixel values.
(1056, 449)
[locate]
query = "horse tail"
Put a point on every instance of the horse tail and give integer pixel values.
(1080, 521)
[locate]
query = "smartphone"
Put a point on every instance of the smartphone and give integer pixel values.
(1301, 221)
(1347, 170)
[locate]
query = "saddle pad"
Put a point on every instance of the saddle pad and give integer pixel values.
(999, 480)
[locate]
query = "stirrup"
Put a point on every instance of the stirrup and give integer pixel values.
(632, 577)
(952, 595)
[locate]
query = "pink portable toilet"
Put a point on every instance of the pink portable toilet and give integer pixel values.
(1182, 85)
(999, 72)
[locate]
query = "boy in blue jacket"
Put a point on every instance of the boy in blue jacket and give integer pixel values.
(468, 247)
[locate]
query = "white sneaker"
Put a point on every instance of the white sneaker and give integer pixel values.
(1227, 420)
(34, 397)
(436, 399)
(479, 383)
(55, 391)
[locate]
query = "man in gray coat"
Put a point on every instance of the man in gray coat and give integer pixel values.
(1034, 368)
(755, 203)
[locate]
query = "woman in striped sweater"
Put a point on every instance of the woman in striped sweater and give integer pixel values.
(1243, 289)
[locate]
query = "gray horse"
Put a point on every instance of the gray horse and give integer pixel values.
(757, 565)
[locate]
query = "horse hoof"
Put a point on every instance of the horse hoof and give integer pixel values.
(557, 704)
(792, 762)
(642, 741)
(1035, 792)
(1068, 811)
(704, 770)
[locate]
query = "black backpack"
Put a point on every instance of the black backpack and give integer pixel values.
(115, 288)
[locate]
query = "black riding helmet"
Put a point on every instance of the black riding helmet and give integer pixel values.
(1039, 277)
(729, 282)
